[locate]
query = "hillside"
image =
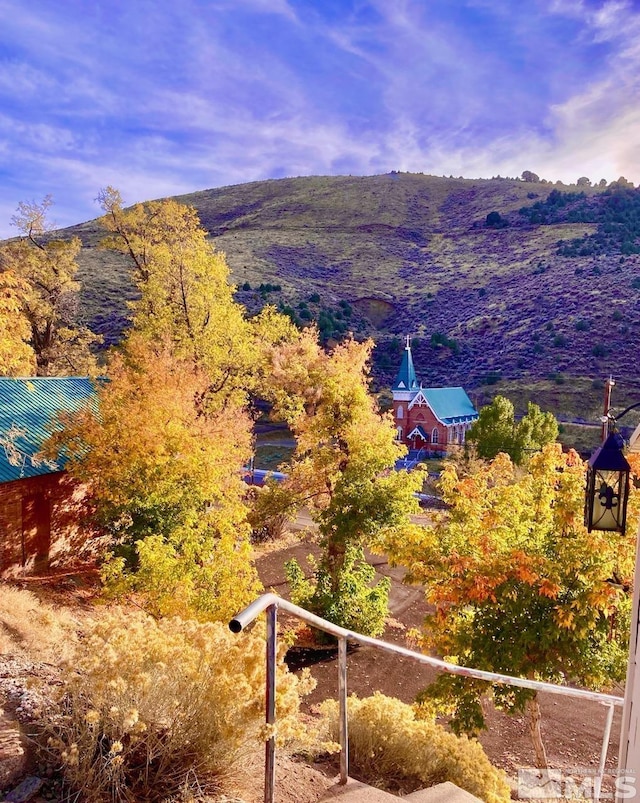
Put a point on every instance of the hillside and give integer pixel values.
(407, 253)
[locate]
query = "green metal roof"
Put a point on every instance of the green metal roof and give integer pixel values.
(450, 405)
(28, 407)
(406, 378)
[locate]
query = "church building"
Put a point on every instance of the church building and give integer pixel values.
(431, 419)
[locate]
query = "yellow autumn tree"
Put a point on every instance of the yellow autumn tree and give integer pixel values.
(49, 295)
(518, 585)
(163, 450)
(185, 293)
(163, 483)
(16, 355)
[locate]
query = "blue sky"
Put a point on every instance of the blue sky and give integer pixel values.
(159, 97)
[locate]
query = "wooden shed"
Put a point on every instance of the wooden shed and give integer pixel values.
(38, 501)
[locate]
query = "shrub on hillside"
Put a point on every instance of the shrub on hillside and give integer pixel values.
(390, 747)
(494, 220)
(150, 709)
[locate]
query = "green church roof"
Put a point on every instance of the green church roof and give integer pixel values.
(450, 405)
(28, 407)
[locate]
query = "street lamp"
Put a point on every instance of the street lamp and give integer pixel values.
(607, 487)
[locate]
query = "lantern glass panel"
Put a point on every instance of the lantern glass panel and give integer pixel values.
(609, 500)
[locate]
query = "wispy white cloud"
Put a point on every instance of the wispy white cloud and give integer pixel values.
(160, 99)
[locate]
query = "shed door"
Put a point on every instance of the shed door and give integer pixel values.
(36, 530)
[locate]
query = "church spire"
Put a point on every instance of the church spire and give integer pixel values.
(406, 378)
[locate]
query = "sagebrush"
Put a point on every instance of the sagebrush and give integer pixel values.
(389, 747)
(43, 631)
(151, 708)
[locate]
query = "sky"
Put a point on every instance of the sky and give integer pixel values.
(160, 97)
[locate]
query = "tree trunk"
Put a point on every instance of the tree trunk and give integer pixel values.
(334, 561)
(533, 708)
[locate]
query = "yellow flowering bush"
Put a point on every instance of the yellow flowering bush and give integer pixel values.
(149, 708)
(389, 746)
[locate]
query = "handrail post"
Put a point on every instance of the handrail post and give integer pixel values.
(342, 695)
(597, 785)
(270, 703)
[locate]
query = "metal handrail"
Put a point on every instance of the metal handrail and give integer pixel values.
(271, 602)
(410, 463)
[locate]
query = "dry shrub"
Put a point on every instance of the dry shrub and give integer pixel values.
(42, 631)
(152, 708)
(389, 747)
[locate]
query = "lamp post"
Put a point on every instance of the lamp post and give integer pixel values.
(606, 497)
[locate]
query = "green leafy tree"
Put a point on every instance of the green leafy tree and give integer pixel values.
(497, 430)
(342, 471)
(519, 586)
(49, 300)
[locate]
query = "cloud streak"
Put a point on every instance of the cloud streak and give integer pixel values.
(159, 100)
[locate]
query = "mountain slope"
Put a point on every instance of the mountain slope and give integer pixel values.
(413, 254)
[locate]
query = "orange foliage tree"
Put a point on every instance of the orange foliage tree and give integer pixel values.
(164, 486)
(518, 585)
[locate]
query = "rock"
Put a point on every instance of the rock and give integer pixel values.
(25, 791)
(12, 754)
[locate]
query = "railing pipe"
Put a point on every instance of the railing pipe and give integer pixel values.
(342, 696)
(597, 784)
(252, 611)
(271, 602)
(270, 703)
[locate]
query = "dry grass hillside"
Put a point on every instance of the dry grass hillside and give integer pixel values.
(408, 253)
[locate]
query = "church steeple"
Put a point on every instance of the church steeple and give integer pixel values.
(406, 378)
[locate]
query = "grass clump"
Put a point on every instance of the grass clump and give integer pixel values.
(390, 747)
(151, 709)
(26, 624)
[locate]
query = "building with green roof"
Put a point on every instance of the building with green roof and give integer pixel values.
(431, 420)
(38, 501)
